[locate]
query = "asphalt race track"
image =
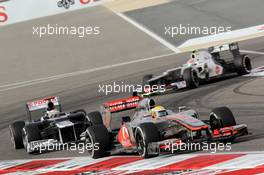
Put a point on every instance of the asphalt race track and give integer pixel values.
(200, 13)
(33, 67)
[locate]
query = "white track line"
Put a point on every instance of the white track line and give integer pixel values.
(71, 74)
(150, 33)
(252, 52)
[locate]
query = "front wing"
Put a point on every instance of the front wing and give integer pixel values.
(223, 134)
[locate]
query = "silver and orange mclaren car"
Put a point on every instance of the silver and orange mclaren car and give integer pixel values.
(152, 129)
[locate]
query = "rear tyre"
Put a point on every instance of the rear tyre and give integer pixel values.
(207, 74)
(16, 134)
(146, 133)
(243, 65)
(30, 133)
(98, 138)
(221, 117)
(95, 118)
(191, 78)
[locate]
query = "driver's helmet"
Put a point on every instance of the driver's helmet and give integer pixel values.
(51, 111)
(50, 106)
(158, 111)
(193, 54)
(192, 59)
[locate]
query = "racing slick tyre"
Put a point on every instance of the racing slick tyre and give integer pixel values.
(207, 74)
(146, 78)
(30, 133)
(243, 65)
(16, 134)
(99, 139)
(221, 117)
(95, 118)
(146, 133)
(191, 78)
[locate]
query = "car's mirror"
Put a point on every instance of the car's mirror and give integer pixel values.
(183, 108)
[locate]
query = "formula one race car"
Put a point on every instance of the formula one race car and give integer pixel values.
(202, 66)
(54, 127)
(153, 129)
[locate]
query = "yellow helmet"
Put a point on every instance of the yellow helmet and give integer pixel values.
(158, 111)
(158, 108)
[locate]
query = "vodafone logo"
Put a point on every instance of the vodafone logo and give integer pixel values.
(3, 14)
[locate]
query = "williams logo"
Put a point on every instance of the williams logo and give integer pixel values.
(65, 3)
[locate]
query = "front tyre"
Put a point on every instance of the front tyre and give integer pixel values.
(16, 134)
(97, 137)
(221, 117)
(30, 133)
(191, 78)
(146, 133)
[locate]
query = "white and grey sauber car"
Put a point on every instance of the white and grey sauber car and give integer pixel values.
(213, 63)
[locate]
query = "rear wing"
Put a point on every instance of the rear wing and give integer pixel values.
(42, 104)
(122, 104)
(232, 47)
(221, 48)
